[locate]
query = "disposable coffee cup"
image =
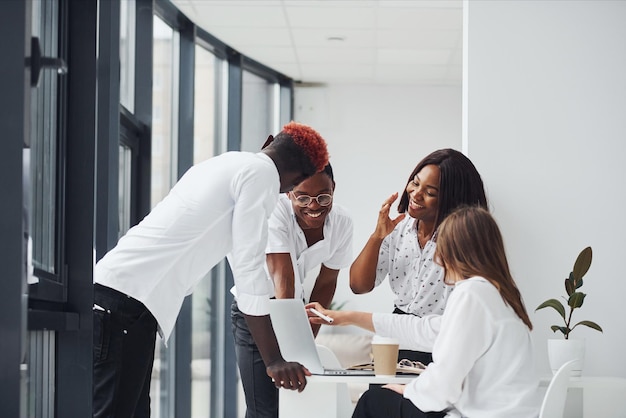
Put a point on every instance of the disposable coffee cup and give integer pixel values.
(385, 352)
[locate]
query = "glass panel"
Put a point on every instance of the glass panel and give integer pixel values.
(204, 105)
(202, 305)
(165, 109)
(44, 140)
(201, 315)
(127, 54)
(285, 107)
(163, 176)
(41, 374)
(258, 99)
(124, 189)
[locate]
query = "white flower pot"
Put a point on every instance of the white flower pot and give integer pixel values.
(561, 351)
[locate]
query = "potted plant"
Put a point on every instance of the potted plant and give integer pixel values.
(561, 351)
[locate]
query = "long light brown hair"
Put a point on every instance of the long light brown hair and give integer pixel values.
(470, 244)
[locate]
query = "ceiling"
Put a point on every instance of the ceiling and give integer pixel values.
(331, 41)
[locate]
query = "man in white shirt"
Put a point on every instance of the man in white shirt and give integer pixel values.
(218, 208)
(307, 234)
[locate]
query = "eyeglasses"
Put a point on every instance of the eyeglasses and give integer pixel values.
(408, 364)
(303, 200)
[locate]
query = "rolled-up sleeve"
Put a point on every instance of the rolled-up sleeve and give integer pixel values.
(255, 195)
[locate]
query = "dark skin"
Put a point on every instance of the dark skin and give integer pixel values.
(286, 374)
(423, 192)
(311, 220)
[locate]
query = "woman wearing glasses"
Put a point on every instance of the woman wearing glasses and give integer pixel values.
(306, 233)
(403, 248)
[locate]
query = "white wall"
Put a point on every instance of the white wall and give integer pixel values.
(376, 135)
(547, 130)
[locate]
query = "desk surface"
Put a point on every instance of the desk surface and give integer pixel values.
(361, 379)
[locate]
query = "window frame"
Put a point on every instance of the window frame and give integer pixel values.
(52, 285)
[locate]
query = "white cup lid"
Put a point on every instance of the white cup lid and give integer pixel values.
(377, 339)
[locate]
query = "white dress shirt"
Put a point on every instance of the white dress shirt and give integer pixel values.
(414, 277)
(219, 207)
(286, 236)
(482, 355)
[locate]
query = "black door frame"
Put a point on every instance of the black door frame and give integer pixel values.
(15, 30)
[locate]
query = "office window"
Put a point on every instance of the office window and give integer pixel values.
(45, 184)
(204, 129)
(203, 313)
(44, 144)
(124, 189)
(258, 112)
(165, 109)
(284, 116)
(127, 54)
(163, 176)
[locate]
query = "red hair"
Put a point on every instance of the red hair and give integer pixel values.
(310, 141)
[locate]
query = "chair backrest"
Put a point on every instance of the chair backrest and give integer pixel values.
(553, 403)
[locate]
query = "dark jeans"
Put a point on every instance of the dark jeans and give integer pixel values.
(260, 392)
(420, 356)
(378, 402)
(124, 336)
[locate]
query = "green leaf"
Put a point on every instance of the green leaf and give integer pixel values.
(556, 328)
(589, 324)
(554, 304)
(582, 264)
(570, 286)
(576, 300)
(579, 283)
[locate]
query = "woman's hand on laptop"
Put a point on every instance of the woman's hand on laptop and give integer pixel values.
(288, 374)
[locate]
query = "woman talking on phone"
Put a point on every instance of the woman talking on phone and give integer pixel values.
(402, 248)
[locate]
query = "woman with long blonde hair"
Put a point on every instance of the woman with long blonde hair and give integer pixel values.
(482, 350)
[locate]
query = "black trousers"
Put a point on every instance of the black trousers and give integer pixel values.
(124, 336)
(260, 393)
(378, 402)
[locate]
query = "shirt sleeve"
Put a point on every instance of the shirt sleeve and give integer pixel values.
(279, 234)
(463, 338)
(382, 267)
(412, 332)
(255, 194)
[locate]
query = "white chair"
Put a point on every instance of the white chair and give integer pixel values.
(553, 403)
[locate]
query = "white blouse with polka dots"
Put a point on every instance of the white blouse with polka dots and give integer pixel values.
(414, 277)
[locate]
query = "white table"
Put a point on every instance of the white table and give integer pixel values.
(327, 396)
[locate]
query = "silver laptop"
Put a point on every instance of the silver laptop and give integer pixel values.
(296, 341)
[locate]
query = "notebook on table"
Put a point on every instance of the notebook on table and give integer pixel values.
(296, 341)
